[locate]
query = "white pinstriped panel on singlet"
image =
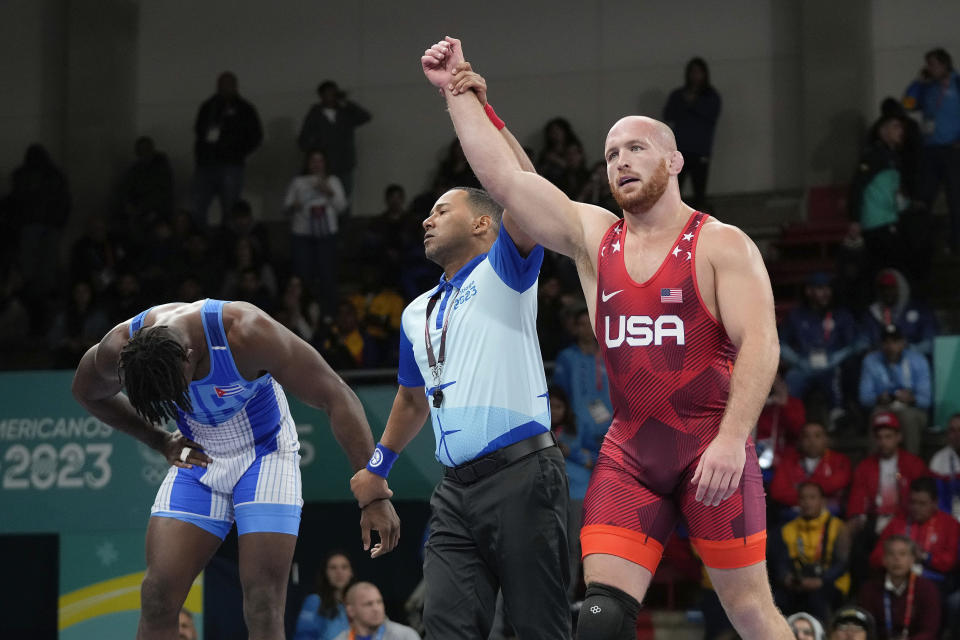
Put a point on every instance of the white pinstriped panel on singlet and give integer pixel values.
(279, 478)
(232, 443)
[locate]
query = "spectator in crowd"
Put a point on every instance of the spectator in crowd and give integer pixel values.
(195, 259)
(146, 190)
(395, 237)
(912, 143)
(381, 319)
(552, 161)
(806, 627)
(579, 465)
(881, 482)
(945, 466)
(553, 337)
(323, 615)
(296, 311)
(897, 379)
(77, 327)
(692, 112)
(893, 305)
(38, 207)
(250, 288)
(815, 340)
(246, 258)
(811, 462)
(876, 200)
(125, 299)
(780, 423)
(575, 172)
(183, 226)
(330, 127)
(936, 94)
(314, 200)
(853, 623)
(345, 344)
(908, 604)
(186, 629)
(226, 131)
(96, 255)
(581, 373)
(811, 567)
(157, 259)
(596, 189)
(935, 533)
(242, 225)
(368, 617)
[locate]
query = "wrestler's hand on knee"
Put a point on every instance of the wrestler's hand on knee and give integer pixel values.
(439, 60)
(466, 79)
(367, 487)
(183, 452)
(719, 471)
(381, 517)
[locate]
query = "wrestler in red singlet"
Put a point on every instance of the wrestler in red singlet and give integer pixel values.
(669, 364)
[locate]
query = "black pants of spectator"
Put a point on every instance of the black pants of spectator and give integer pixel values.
(223, 182)
(940, 166)
(697, 168)
(885, 248)
(507, 531)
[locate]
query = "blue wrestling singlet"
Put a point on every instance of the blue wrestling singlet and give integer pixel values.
(246, 428)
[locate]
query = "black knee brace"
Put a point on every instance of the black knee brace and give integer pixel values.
(607, 614)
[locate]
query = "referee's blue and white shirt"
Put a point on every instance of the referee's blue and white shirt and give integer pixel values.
(494, 388)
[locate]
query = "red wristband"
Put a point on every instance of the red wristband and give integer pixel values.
(494, 118)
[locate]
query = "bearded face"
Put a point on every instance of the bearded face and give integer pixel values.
(642, 199)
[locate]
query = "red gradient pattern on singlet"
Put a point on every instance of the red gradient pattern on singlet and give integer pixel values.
(669, 364)
(681, 378)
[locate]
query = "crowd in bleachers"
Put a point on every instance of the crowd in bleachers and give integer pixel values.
(856, 353)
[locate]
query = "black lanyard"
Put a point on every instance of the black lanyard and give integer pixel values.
(436, 364)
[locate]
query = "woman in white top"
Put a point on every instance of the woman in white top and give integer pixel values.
(314, 200)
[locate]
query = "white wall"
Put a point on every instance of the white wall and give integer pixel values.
(33, 65)
(902, 33)
(590, 62)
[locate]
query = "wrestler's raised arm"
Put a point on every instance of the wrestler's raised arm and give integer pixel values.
(541, 210)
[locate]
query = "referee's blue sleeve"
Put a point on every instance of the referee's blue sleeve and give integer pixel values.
(517, 272)
(408, 373)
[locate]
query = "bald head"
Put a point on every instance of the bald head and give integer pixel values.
(359, 590)
(364, 607)
(643, 128)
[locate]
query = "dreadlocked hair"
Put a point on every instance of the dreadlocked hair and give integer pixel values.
(151, 370)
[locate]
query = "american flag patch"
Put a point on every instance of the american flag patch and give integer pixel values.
(671, 295)
(232, 390)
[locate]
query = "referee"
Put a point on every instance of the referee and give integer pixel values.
(470, 359)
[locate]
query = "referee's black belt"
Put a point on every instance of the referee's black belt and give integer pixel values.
(475, 470)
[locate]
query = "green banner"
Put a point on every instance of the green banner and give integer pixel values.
(62, 470)
(100, 576)
(946, 378)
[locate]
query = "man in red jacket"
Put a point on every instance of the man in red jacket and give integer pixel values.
(813, 462)
(935, 532)
(905, 605)
(881, 482)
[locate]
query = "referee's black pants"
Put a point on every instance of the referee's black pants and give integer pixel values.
(508, 531)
